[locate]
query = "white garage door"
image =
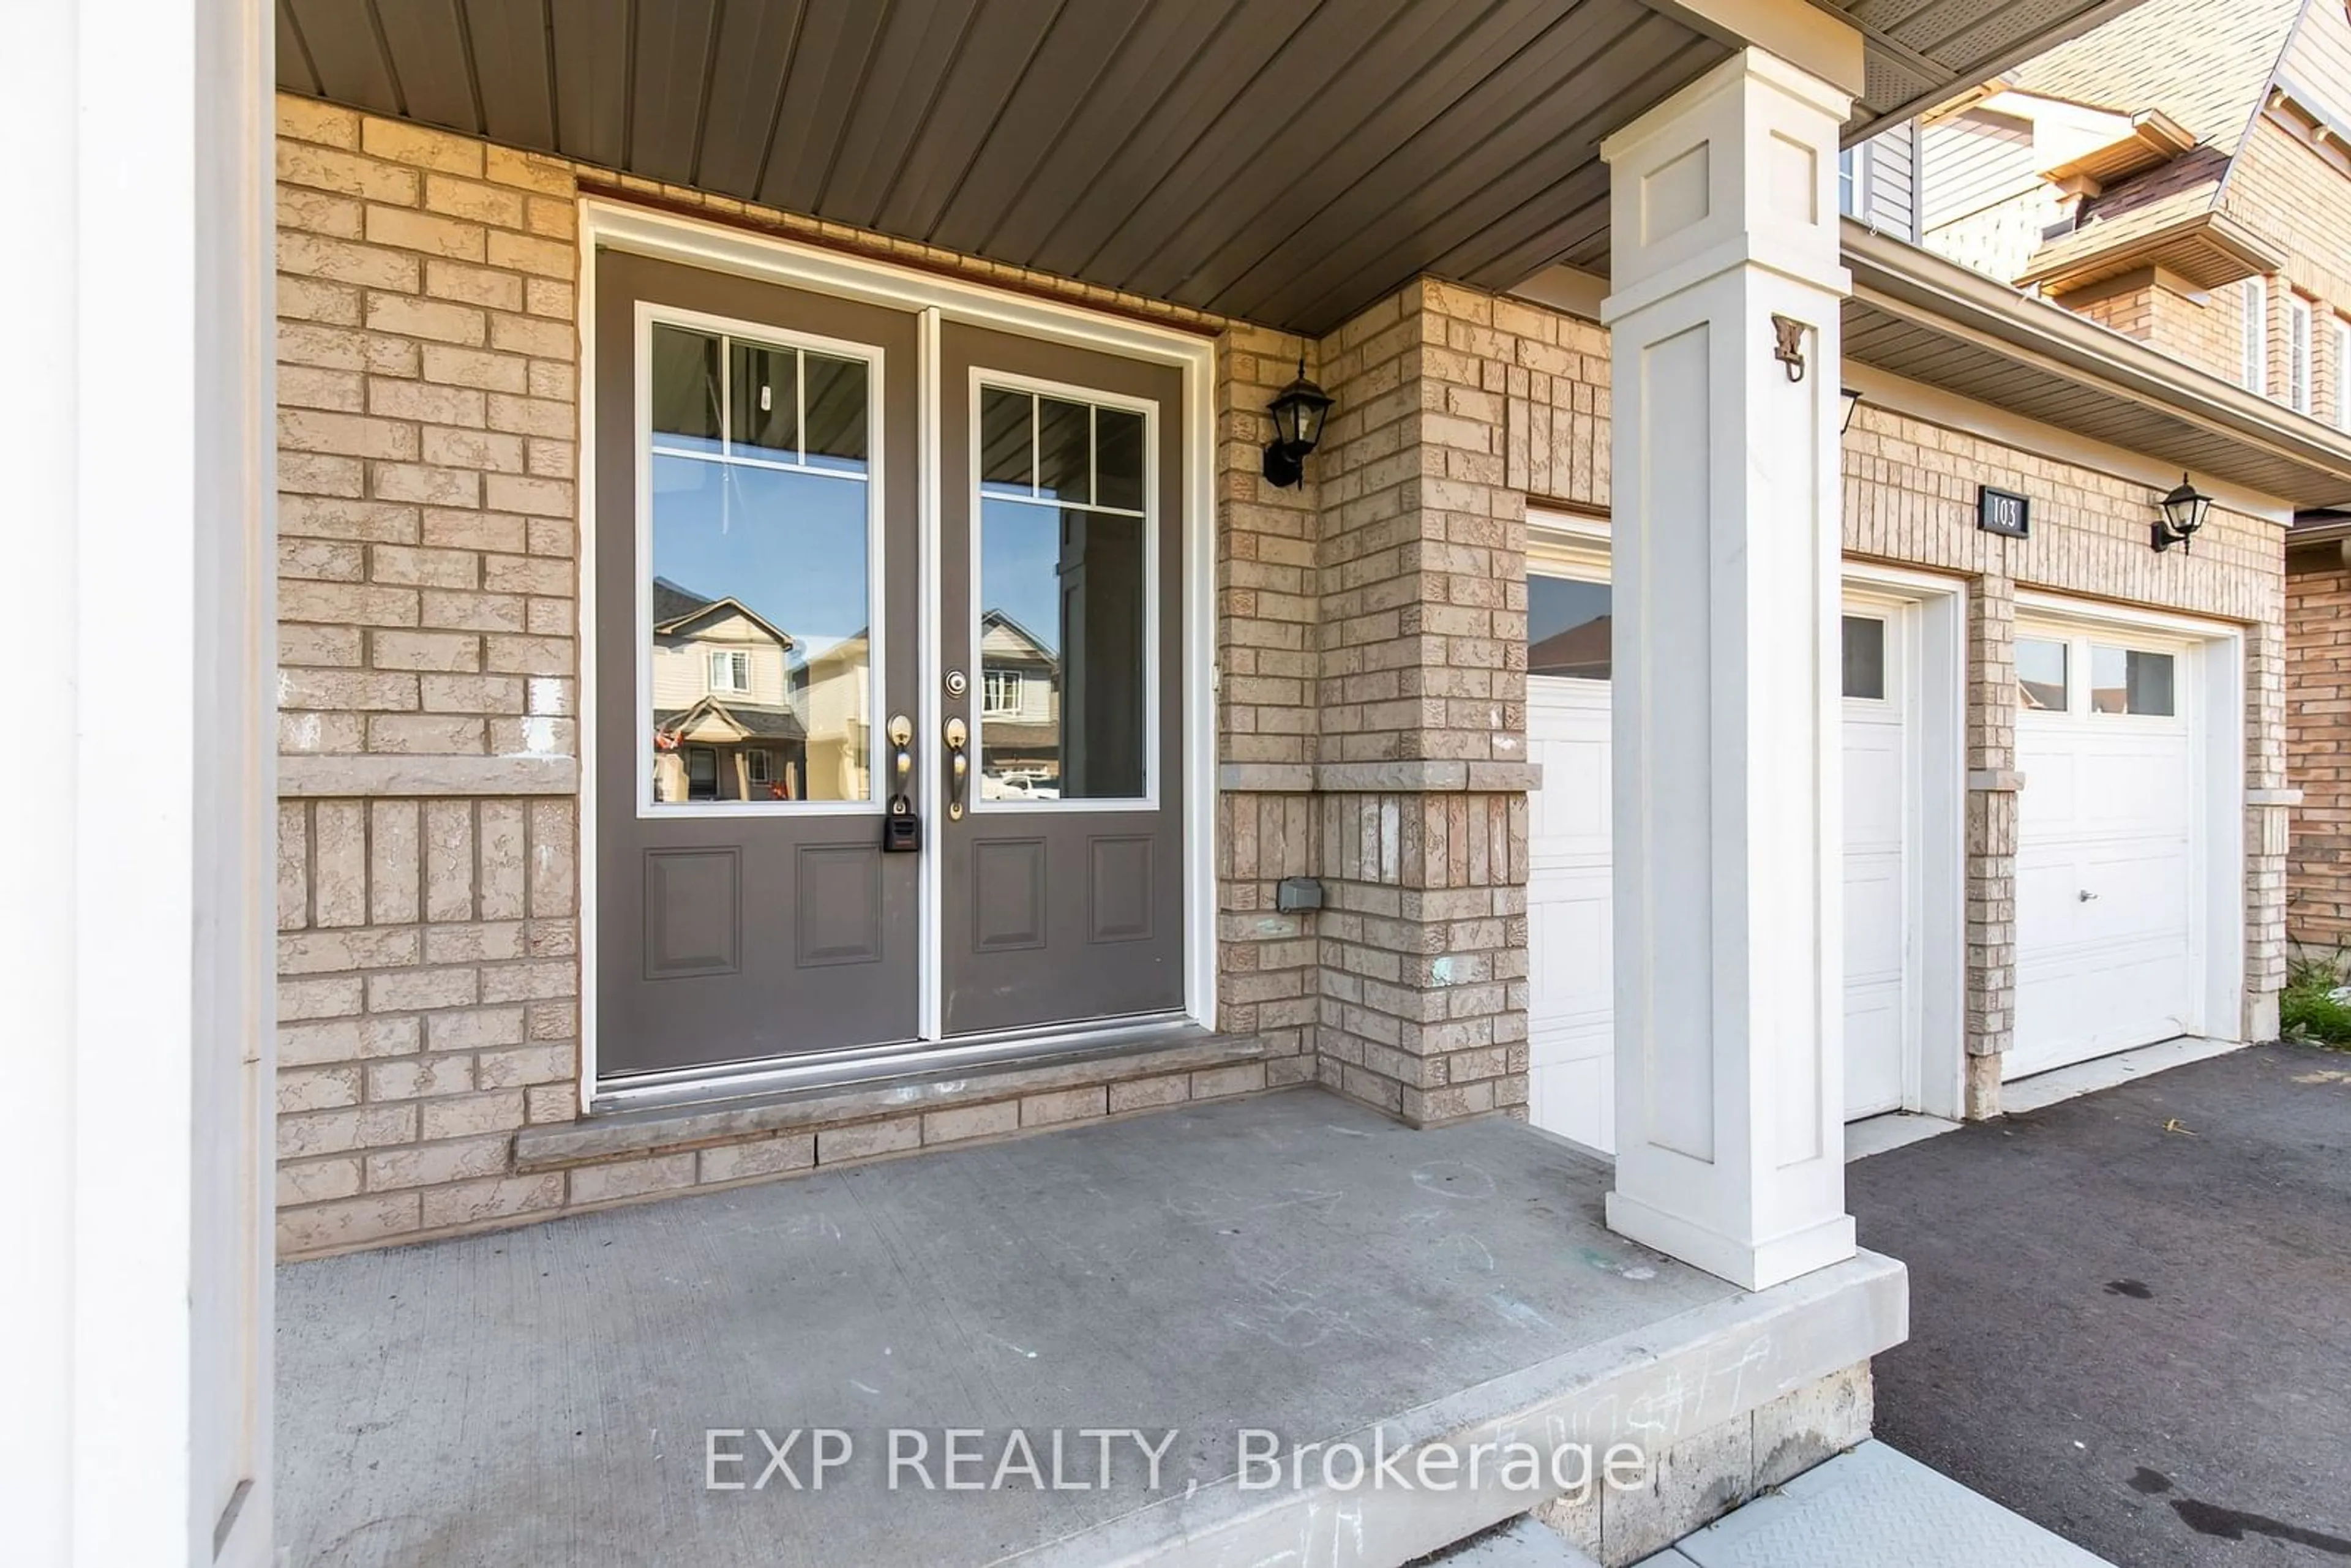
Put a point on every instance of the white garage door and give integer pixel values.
(2106, 881)
(1571, 956)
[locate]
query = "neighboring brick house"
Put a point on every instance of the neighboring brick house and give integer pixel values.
(2183, 175)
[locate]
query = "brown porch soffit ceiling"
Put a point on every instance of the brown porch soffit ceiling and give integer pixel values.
(1284, 163)
(1921, 317)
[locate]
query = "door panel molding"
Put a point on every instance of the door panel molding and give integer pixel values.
(2208, 726)
(766, 968)
(1050, 972)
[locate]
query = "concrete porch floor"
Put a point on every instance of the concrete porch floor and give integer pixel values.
(1293, 1263)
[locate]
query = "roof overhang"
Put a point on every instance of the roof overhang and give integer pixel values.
(1918, 316)
(2207, 248)
(1288, 164)
(2322, 528)
(1922, 57)
(2153, 139)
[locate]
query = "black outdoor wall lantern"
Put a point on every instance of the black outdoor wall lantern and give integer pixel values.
(1298, 410)
(2183, 514)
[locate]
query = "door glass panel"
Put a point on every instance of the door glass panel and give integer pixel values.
(1864, 656)
(2041, 673)
(1065, 451)
(759, 652)
(1008, 446)
(2130, 680)
(834, 400)
(1063, 596)
(1118, 459)
(1568, 628)
(763, 389)
(685, 389)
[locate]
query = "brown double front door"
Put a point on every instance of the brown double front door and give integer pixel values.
(771, 605)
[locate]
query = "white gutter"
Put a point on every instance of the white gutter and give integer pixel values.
(1916, 284)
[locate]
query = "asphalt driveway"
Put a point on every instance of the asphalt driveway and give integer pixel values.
(2131, 1313)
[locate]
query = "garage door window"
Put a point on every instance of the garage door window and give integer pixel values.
(1865, 657)
(2130, 680)
(1568, 628)
(2040, 674)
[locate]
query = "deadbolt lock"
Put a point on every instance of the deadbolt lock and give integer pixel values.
(956, 684)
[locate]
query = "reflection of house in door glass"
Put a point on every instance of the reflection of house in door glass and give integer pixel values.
(1063, 577)
(760, 518)
(1019, 712)
(723, 724)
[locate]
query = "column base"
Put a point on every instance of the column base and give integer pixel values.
(1752, 1265)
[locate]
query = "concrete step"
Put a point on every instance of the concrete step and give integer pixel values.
(1866, 1509)
(1520, 1543)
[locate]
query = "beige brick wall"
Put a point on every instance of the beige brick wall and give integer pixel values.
(2199, 326)
(2301, 196)
(427, 436)
(1268, 959)
(1422, 822)
(1988, 929)
(1423, 552)
(2318, 744)
(1424, 951)
(428, 592)
(427, 987)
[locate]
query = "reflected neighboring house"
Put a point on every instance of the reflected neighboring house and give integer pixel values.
(833, 693)
(724, 725)
(2048, 696)
(1020, 710)
(1582, 651)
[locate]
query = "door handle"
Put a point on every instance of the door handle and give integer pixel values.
(2086, 896)
(959, 737)
(902, 756)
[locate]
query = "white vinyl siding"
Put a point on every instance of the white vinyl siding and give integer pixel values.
(2255, 349)
(1972, 162)
(1892, 203)
(2297, 385)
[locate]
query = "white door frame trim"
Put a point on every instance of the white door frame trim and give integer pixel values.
(1934, 670)
(933, 299)
(2214, 651)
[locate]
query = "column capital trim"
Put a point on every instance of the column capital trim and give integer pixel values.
(1746, 252)
(1749, 65)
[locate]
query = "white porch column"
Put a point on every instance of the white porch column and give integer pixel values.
(137, 806)
(1730, 1050)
